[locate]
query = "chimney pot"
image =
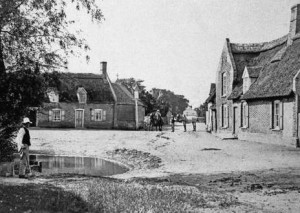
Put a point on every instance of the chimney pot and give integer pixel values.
(103, 68)
(295, 22)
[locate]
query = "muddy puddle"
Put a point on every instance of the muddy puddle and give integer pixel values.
(47, 164)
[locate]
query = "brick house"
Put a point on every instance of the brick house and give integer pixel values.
(86, 100)
(257, 88)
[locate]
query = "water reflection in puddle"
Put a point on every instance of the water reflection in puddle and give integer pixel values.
(76, 165)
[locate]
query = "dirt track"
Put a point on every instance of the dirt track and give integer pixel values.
(263, 178)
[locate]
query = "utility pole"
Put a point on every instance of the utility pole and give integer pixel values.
(136, 97)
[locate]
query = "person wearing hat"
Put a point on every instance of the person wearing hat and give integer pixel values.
(23, 140)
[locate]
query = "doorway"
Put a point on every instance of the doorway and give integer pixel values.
(79, 116)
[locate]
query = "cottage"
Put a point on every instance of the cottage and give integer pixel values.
(257, 89)
(86, 100)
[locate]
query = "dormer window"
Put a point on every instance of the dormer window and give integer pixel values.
(82, 95)
(53, 96)
(249, 76)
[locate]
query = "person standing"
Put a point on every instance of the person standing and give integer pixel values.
(173, 122)
(184, 120)
(23, 139)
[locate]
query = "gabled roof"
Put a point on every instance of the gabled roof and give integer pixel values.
(123, 95)
(276, 79)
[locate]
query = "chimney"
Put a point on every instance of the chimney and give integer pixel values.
(295, 22)
(103, 66)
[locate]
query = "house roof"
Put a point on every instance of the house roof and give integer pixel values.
(276, 78)
(212, 93)
(123, 95)
(97, 87)
(254, 71)
(273, 64)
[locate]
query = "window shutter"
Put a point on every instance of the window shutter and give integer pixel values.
(281, 115)
(271, 115)
(50, 115)
(63, 115)
(92, 115)
(221, 116)
(227, 116)
(241, 115)
(104, 115)
(247, 115)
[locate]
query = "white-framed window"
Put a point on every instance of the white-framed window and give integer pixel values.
(244, 115)
(277, 115)
(81, 95)
(98, 115)
(224, 84)
(224, 116)
(56, 115)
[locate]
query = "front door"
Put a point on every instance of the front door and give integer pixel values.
(79, 118)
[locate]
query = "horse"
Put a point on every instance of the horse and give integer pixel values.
(156, 120)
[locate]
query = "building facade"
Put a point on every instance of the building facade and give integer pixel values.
(86, 100)
(257, 89)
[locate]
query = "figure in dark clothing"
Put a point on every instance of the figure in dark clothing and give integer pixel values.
(23, 140)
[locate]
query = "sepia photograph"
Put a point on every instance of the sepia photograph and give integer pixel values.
(149, 106)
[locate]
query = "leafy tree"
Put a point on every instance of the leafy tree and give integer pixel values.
(169, 101)
(34, 36)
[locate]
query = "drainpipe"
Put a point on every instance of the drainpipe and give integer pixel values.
(296, 89)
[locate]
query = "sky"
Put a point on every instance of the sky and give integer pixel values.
(176, 44)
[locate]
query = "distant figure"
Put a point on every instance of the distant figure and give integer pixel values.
(23, 140)
(191, 116)
(157, 113)
(184, 120)
(172, 121)
(156, 120)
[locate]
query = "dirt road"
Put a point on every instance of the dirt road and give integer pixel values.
(261, 177)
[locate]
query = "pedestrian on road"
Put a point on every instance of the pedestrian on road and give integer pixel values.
(23, 140)
(194, 120)
(173, 122)
(184, 120)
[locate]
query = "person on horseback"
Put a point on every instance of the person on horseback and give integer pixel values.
(157, 113)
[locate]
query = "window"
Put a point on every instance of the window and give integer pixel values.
(56, 115)
(98, 115)
(81, 94)
(224, 84)
(244, 115)
(277, 115)
(224, 115)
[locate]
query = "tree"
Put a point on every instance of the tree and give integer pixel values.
(169, 101)
(35, 36)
